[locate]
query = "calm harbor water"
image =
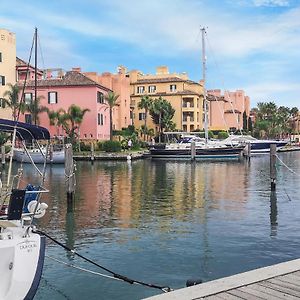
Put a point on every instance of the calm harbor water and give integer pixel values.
(166, 222)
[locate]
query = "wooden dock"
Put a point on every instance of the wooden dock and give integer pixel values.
(281, 281)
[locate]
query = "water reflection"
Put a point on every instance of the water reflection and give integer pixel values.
(169, 221)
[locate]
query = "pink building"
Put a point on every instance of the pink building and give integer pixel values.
(22, 68)
(63, 90)
(226, 111)
(120, 84)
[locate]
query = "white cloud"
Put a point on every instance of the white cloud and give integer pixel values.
(271, 2)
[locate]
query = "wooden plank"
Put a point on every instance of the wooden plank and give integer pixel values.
(280, 288)
(294, 277)
(284, 284)
(297, 273)
(213, 297)
(243, 295)
(265, 292)
(225, 296)
(290, 279)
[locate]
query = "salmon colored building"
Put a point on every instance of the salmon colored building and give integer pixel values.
(120, 84)
(226, 111)
(60, 91)
(7, 67)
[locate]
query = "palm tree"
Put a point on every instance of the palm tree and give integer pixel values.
(162, 113)
(145, 103)
(55, 118)
(71, 121)
(34, 108)
(111, 99)
(12, 100)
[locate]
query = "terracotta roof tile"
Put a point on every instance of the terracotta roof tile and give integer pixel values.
(160, 80)
(71, 78)
(184, 92)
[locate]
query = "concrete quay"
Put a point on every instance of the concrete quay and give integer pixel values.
(280, 281)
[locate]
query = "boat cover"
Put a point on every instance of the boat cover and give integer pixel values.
(25, 131)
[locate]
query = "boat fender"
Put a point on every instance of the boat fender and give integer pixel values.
(193, 281)
(40, 211)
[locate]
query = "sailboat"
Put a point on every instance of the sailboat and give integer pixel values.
(54, 154)
(193, 147)
(22, 250)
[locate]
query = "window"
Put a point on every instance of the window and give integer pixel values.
(2, 80)
(28, 118)
(0, 57)
(28, 98)
(2, 103)
(52, 97)
(142, 116)
(140, 89)
(100, 97)
(151, 89)
(100, 119)
(173, 88)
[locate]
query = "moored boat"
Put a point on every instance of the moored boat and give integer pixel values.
(57, 156)
(257, 146)
(22, 250)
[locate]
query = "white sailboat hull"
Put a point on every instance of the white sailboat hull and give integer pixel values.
(58, 157)
(21, 263)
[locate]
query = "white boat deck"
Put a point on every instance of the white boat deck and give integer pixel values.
(281, 281)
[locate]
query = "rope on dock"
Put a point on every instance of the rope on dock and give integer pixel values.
(287, 166)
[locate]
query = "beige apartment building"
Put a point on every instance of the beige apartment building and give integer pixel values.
(185, 96)
(7, 66)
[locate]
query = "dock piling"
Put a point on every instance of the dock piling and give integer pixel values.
(69, 171)
(273, 166)
(193, 150)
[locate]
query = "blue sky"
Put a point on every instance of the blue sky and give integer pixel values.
(252, 45)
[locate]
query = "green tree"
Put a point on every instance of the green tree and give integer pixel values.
(250, 125)
(162, 113)
(11, 99)
(71, 121)
(245, 121)
(56, 118)
(145, 103)
(35, 108)
(111, 99)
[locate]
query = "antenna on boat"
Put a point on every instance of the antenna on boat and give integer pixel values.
(203, 31)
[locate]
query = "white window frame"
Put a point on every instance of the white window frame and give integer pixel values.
(28, 100)
(173, 87)
(140, 89)
(151, 88)
(52, 100)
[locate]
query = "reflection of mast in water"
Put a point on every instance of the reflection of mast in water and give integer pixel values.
(273, 213)
(207, 256)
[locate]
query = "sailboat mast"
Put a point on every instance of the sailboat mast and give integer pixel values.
(35, 74)
(204, 81)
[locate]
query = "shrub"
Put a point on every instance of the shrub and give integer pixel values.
(111, 146)
(85, 147)
(222, 135)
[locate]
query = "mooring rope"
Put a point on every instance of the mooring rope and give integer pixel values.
(115, 275)
(82, 269)
(287, 166)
